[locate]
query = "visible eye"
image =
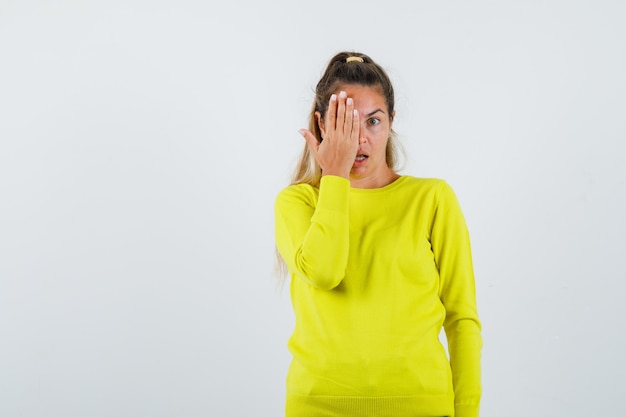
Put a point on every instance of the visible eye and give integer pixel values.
(373, 121)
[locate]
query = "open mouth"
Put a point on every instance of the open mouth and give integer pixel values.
(360, 158)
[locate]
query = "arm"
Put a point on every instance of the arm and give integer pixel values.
(313, 236)
(451, 246)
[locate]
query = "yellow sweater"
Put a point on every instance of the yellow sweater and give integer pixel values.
(375, 274)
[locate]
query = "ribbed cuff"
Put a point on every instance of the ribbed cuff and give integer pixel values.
(334, 193)
(466, 410)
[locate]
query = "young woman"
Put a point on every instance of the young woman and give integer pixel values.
(379, 263)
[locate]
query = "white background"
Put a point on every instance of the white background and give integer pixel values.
(142, 145)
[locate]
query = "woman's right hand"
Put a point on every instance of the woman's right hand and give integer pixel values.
(340, 132)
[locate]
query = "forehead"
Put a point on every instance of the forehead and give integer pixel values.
(365, 96)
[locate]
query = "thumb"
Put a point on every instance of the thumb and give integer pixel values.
(311, 140)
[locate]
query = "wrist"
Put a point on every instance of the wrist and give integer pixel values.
(337, 173)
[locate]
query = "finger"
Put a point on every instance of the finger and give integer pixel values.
(355, 126)
(341, 112)
(349, 117)
(331, 113)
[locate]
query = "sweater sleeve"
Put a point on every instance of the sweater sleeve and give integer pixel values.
(313, 236)
(451, 247)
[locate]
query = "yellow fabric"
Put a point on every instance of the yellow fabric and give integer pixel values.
(375, 274)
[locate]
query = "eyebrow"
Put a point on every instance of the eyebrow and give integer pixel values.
(374, 112)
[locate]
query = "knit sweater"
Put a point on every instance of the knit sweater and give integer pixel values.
(375, 275)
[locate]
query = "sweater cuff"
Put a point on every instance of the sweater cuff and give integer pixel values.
(334, 193)
(463, 410)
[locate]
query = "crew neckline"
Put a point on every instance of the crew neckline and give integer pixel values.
(395, 183)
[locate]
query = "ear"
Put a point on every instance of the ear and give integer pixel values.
(320, 123)
(393, 116)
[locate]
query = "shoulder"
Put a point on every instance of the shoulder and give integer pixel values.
(434, 186)
(434, 192)
(298, 193)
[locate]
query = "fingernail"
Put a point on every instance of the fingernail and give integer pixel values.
(302, 131)
(355, 112)
(333, 97)
(349, 101)
(342, 94)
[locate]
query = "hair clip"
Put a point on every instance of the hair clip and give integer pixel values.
(354, 59)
